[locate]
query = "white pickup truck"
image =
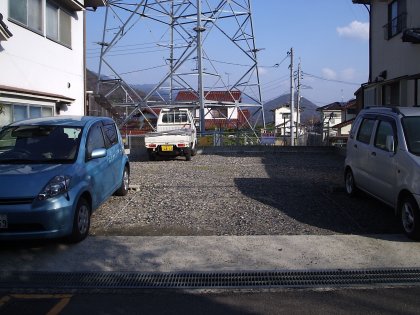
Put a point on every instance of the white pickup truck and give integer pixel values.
(175, 135)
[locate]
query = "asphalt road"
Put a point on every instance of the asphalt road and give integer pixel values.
(390, 301)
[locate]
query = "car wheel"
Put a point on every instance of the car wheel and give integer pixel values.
(81, 221)
(125, 182)
(349, 183)
(410, 218)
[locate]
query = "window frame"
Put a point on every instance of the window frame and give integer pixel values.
(64, 21)
(360, 129)
(88, 153)
(108, 141)
(60, 11)
(26, 25)
(397, 18)
(393, 128)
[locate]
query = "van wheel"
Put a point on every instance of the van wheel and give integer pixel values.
(410, 217)
(125, 182)
(81, 221)
(349, 183)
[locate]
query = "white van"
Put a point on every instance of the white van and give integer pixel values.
(383, 160)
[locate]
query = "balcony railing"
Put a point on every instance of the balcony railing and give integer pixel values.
(395, 26)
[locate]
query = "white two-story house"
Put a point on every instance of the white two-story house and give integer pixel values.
(42, 58)
(282, 119)
(394, 53)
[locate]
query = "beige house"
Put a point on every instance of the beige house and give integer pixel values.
(394, 53)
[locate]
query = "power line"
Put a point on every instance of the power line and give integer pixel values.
(330, 80)
(144, 69)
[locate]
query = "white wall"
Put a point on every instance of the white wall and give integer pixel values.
(31, 61)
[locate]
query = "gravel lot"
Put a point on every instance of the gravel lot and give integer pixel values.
(242, 194)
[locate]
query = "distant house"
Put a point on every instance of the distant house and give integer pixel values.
(331, 115)
(282, 119)
(221, 108)
(337, 119)
(42, 49)
(394, 53)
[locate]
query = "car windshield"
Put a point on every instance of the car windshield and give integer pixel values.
(411, 127)
(39, 144)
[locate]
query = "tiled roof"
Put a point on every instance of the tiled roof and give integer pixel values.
(332, 106)
(351, 104)
(218, 96)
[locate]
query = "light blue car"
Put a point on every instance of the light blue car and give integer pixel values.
(55, 171)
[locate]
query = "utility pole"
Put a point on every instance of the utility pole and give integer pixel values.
(171, 56)
(199, 29)
(292, 99)
(298, 102)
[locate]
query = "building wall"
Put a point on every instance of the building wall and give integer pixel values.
(31, 61)
(393, 55)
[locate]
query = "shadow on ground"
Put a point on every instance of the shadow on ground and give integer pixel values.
(309, 188)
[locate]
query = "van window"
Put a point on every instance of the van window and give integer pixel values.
(411, 127)
(384, 130)
(365, 130)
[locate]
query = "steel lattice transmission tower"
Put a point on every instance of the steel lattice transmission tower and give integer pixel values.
(187, 34)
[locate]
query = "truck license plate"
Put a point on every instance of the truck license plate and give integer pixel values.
(167, 148)
(3, 221)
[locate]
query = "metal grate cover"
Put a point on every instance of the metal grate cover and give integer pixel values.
(205, 280)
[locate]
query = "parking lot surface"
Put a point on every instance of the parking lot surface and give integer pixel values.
(258, 193)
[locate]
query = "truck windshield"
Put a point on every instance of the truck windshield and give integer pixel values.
(175, 117)
(411, 127)
(39, 144)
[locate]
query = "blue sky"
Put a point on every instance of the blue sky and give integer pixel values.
(329, 36)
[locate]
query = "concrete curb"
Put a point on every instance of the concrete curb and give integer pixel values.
(214, 253)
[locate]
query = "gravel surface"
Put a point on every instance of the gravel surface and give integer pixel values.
(242, 194)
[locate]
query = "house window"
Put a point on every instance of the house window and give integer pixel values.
(397, 18)
(16, 112)
(58, 24)
(28, 13)
(220, 112)
(391, 94)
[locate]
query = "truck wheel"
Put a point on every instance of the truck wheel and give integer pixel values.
(194, 149)
(188, 155)
(152, 155)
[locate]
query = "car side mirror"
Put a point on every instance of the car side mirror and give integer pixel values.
(390, 143)
(98, 153)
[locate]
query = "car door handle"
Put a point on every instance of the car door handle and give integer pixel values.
(373, 153)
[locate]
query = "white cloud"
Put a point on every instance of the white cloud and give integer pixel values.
(355, 29)
(329, 74)
(348, 74)
(262, 71)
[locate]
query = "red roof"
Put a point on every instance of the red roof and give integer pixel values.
(218, 96)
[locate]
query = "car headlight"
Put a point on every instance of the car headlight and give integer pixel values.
(56, 186)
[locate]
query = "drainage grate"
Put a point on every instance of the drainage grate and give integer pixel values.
(204, 280)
